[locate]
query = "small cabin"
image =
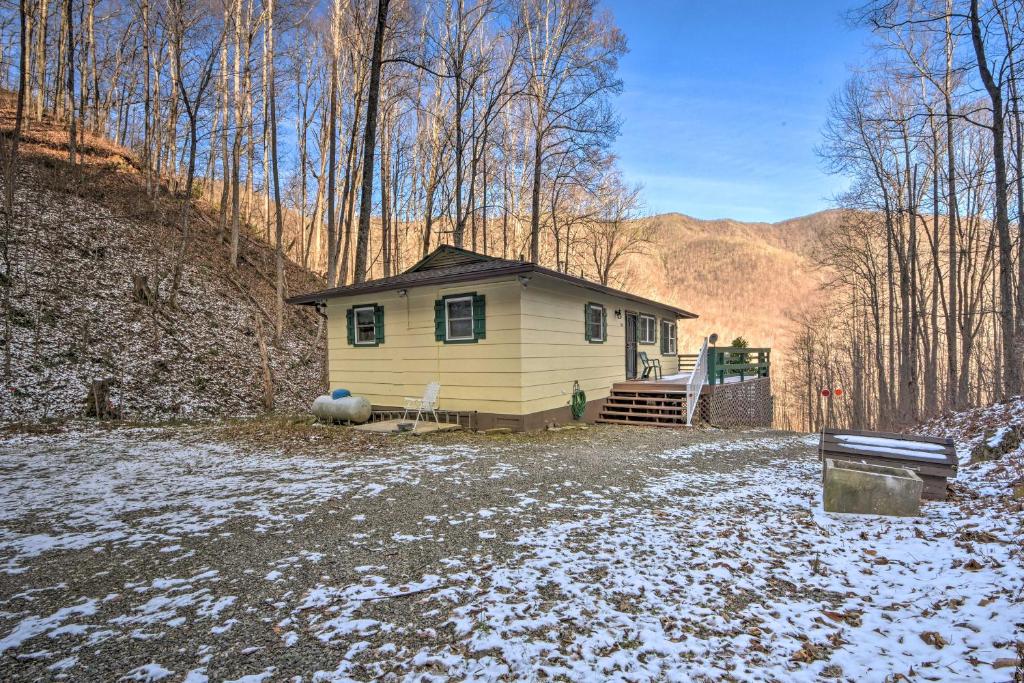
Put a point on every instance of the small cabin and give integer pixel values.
(507, 340)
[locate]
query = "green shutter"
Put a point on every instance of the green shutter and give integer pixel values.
(604, 324)
(654, 325)
(479, 316)
(586, 321)
(439, 320)
(664, 337)
(378, 322)
(350, 327)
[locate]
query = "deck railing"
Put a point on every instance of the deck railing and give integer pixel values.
(698, 378)
(687, 361)
(727, 362)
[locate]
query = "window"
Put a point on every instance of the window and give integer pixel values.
(366, 329)
(460, 318)
(647, 331)
(668, 337)
(365, 325)
(595, 325)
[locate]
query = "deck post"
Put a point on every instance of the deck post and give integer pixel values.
(712, 362)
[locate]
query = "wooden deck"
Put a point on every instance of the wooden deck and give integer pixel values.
(664, 402)
(648, 384)
(656, 403)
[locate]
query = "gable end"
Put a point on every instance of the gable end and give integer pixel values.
(447, 256)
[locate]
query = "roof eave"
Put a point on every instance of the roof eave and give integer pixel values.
(512, 269)
(337, 292)
(604, 289)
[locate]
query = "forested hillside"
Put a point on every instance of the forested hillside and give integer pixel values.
(925, 312)
(749, 280)
(91, 297)
(744, 279)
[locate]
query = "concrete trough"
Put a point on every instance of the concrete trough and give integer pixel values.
(860, 488)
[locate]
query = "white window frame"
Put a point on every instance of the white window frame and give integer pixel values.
(668, 333)
(447, 320)
(355, 325)
(601, 324)
(644, 319)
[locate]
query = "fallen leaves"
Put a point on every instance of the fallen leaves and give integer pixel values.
(976, 536)
(808, 653)
(851, 617)
(935, 639)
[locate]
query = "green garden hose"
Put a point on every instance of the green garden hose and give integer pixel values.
(579, 401)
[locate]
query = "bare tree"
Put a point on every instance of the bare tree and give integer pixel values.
(369, 142)
(618, 230)
(569, 57)
(184, 20)
(1012, 351)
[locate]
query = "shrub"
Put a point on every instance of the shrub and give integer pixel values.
(740, 343)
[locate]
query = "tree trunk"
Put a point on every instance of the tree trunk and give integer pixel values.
(72, 123)
(385, 181)
(332, 169)
(11, 177)
(1011, 384)
(538, 149)
(40, 60)
(222, 223)
(279, 219)
(236, 144)
(369, 142)
(954, 398)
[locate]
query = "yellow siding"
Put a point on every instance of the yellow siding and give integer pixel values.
(484, 376)
(534, 350)
(555, 350)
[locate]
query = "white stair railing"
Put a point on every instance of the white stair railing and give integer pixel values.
(697, 380)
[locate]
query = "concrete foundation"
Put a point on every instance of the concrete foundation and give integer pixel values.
(871, 489)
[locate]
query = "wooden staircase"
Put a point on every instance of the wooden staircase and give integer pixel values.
(654, 404)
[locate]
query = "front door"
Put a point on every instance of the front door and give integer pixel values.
(631, 325)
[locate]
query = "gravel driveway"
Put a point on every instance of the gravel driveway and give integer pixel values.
(270, 551)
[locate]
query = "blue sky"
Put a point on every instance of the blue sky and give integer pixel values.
(724, 102)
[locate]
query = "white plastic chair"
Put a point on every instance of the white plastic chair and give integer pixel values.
(426, 403)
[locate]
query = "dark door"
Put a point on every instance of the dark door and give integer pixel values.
(631, 321)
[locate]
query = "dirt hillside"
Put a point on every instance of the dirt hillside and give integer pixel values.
(83, 238)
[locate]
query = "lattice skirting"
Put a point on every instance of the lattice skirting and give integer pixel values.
(746, 404)
(446, 416)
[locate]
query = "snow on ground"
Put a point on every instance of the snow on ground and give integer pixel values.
(153, 555)
(159, 492)
(759, 584)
